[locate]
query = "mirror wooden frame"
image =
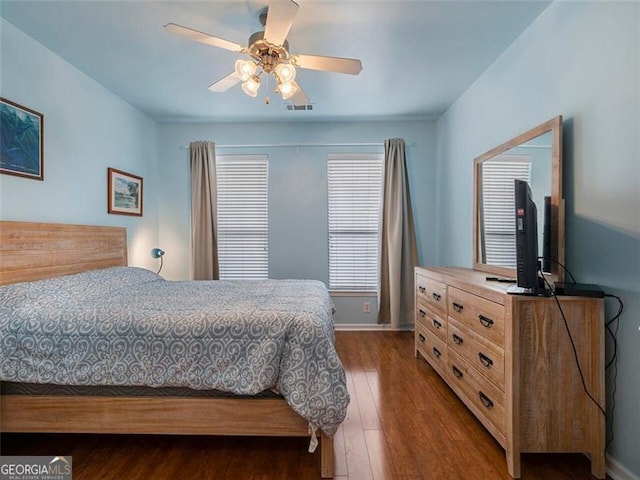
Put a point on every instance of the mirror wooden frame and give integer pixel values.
(557, 201)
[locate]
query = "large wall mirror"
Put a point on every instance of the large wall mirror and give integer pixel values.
(534, 156)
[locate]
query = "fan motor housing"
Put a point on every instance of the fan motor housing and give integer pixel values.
(259, 46)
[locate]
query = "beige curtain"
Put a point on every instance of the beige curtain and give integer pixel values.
(398, 251)
(204, 241)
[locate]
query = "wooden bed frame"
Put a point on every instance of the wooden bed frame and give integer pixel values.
(34, 251)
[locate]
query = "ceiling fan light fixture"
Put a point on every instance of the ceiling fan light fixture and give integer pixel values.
(245, 69)
(287, 90)
(251, 86)
(286, 72)
(268, 50)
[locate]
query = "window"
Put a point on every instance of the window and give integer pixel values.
(242, 216)
(355, 192)
(497, 185)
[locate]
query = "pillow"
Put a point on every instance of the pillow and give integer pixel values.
(62, 290)
(104, 281)
(43, 293)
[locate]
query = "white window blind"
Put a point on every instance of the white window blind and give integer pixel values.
(242, 216)
(355, 193)
(498, 203)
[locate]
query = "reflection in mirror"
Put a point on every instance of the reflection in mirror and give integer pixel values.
(530, 162)
(534, 157)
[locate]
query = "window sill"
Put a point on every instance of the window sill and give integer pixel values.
(352, 293)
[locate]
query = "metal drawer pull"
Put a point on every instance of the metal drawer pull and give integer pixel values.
(422, 313)
(436, 323)
(458, 339)
(422, 289)
(485, 321)
(486, 401)
(436, 352)
(457, 372)
(421, 337)
(436, 296)
(486, 361)
(458, 307)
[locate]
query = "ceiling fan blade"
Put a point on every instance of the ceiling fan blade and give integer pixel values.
(202, 37)
(225, 83)
(279, 19)
(351, 66)
(300, 98)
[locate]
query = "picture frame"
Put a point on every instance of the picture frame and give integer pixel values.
(21, 141)
(124, 193)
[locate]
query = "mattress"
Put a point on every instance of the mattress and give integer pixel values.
(126, 326)
(36, 389)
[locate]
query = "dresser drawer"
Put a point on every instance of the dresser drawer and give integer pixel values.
(485, 356)
(434, 322)
(479, 314)
(432, 348)
(486, 398)
(431, 293)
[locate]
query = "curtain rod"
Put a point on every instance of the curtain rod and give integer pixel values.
(277, 145)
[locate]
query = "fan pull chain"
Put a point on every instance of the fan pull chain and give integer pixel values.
(266, 98)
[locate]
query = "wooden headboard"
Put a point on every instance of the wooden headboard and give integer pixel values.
(34, 251)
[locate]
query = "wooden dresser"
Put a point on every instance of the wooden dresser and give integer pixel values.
(510, 360)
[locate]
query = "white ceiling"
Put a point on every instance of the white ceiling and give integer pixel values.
(418, 56)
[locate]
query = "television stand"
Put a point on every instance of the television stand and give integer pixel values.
(516, 290)
(510, 361)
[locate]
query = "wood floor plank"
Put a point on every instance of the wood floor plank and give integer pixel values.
(366, 404)
(379, 455)
(403, 458)
(403, 423)
(358, 465)
(339, 453)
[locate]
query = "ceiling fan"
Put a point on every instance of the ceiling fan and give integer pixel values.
(269, 52)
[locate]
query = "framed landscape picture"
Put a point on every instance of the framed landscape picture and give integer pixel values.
(21, 141)
(124, 193)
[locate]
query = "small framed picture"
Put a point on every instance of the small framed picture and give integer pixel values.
(124, 193)
(21, 141)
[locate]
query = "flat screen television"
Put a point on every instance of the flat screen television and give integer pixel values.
(546, 236)
(526, 226)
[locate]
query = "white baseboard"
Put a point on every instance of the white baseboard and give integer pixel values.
(370, 327)
(617, 471)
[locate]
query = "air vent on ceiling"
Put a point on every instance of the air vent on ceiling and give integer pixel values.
(308, 106)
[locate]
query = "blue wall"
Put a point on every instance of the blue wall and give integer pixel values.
(580, 60)
(86, 130)
(297, 191)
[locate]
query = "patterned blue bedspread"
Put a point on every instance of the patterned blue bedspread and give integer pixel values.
(129, 326)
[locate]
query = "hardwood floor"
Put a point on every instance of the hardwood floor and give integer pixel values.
(403, 423)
